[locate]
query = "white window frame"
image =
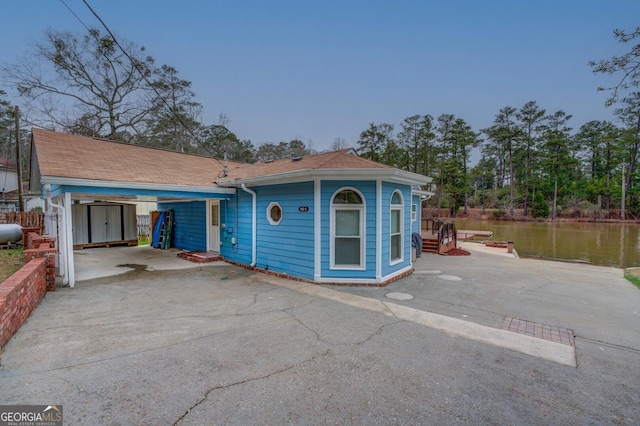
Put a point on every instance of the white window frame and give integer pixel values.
(272, 205)
(414, 212)
(399, 208)
(361, 208)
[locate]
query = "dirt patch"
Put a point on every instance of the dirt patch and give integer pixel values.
(634, 272)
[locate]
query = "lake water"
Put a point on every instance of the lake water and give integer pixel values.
(605, 244)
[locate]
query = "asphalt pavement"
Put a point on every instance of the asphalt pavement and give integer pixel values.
(219, 344)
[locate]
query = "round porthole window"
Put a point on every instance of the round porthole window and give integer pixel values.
(274, 213)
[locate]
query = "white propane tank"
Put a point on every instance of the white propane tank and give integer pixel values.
(10, 233)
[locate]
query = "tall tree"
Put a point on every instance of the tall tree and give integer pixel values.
(531, 119)
(599, 145)
(243, 152)
(505, 133)
(7, 126)
(465, 139)
(338, 144)
(629, 114)
(90, 75)
(556, 150)
(217, 141)
(483, 177)
(627, 65)
(415, 140)
(443, 131)
(8, 136)
(173, 119)
(269, 151)
(373, 141)
(455, 139)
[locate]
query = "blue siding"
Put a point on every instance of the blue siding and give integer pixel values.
(236, 215)
(287, 247)
(415, 224)
(190, 229)
(368, 190)
(387, 191)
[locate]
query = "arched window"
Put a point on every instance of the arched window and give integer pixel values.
(347, 230)
(396, 227)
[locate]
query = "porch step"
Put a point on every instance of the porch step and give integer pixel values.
(430, 246)
(200, 256)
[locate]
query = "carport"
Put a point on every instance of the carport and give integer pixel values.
(100, 262)
(68, 169)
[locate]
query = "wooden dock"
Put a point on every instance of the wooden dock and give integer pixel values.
(465, 234)
(440, 236)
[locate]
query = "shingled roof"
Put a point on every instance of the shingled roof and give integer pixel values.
(345, 159)
(61, 155)
(79, 157)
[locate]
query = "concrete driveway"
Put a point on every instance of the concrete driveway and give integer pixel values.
(103, 262)
(218, 344)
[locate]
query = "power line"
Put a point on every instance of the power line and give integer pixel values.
(142, 74)
(74, 14)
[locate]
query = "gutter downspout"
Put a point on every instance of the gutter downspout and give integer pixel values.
(254, 225)
(62, 234)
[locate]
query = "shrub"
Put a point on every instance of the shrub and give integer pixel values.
(540, 207)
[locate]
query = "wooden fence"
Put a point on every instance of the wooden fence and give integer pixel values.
(24, 219)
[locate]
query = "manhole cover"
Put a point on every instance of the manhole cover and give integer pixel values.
(398, 296)
(449, 278)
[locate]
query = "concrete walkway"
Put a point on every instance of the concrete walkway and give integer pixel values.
(217, 344)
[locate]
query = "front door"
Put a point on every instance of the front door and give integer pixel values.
(214, 225)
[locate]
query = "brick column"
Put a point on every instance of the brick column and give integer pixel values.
(48, 251)
(25, 235)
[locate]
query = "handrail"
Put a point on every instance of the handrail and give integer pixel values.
(444, 229)
(447, 233)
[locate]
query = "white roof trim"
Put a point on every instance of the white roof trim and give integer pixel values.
(134, 185)
(422, 193)
(333, 174)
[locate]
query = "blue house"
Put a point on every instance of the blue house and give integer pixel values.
(332, 217)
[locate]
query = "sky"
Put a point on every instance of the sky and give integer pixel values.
(320, 70)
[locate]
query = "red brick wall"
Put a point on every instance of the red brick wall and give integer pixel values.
(42, 246)
(19, 296)
(27, 235)
(23, 291)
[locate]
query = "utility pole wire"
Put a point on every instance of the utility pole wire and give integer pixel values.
(142, 74)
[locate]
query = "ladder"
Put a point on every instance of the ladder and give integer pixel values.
(164, 242)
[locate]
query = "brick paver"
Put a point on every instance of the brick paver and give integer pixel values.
(541, 331)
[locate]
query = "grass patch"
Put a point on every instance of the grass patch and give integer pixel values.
(633, 279)
(143, 240)
(10, 261)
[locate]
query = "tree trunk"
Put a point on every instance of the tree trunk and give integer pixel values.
(634, 154)
(555, 196)
(511, 182)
